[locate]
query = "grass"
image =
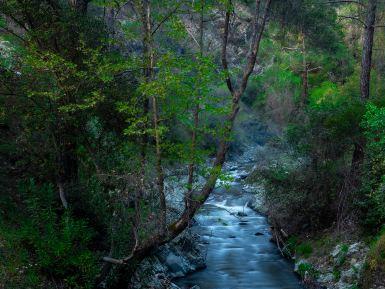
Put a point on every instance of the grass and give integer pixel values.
(304, 268)
(304, 249)
(374, 269)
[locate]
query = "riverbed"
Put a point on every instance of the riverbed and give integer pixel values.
(240, 254)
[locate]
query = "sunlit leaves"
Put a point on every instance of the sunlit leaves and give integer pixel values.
(374, 124)
(326, 93)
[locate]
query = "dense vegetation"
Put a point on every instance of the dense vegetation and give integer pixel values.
(104, 103)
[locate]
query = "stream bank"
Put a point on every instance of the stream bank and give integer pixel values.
(326, 258)
(228, 247)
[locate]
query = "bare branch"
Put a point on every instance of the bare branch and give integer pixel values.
(255, 47)
(344, 1)
(198, 198)
(168, 16)
(353, 18)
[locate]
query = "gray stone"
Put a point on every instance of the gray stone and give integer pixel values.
(182, 256)
(241, 214)
(325, 278)
(336, 251)
(348, 276)
(354, 248)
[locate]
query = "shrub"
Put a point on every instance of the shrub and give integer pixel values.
(44, 243)
(373, 189)
(374, 269)
(304, 249)
(336, 274)
(304, 268)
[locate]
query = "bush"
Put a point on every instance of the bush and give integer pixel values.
(296, 198)
(373, 189)
(304, 268)
(304, 249)
(374, 271)
(45, 244)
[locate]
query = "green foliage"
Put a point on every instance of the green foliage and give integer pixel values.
(341, 256)
(293, 192)
(374, 125)
(307, 269)
(43, 243)
(317, 22)
(76, 107)
(375, 263)
(336, 274)
(374, 186)
(304, 249)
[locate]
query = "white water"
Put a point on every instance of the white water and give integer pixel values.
(237, 258)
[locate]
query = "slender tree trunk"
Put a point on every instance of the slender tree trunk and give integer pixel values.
(149, 62)
(366, 60)
(67, 161)
(305, 75)
(191, 167)
(201, 196)
(366, 63)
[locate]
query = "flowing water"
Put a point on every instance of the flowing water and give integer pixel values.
(239, 252)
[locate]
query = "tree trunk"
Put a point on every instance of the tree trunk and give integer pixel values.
(79, 5)
(366, 63)
(67, 161)
(149, 64)
(191, 167)
(366, 60)
(198, 198)
(305, 75)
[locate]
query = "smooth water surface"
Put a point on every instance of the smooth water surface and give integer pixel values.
(239, 252)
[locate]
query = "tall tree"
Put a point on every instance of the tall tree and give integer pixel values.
(199, 197)
(366, 67)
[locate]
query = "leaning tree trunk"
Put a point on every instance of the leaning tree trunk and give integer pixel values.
(199, 197)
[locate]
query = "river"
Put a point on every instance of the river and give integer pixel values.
(239, 252)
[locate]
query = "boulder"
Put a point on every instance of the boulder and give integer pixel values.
(184, 255)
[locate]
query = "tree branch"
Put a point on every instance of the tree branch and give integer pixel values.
(168, 16)
(346, 1)
(199, 198)
(353, 18)
(62, 195)
(224, 52)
